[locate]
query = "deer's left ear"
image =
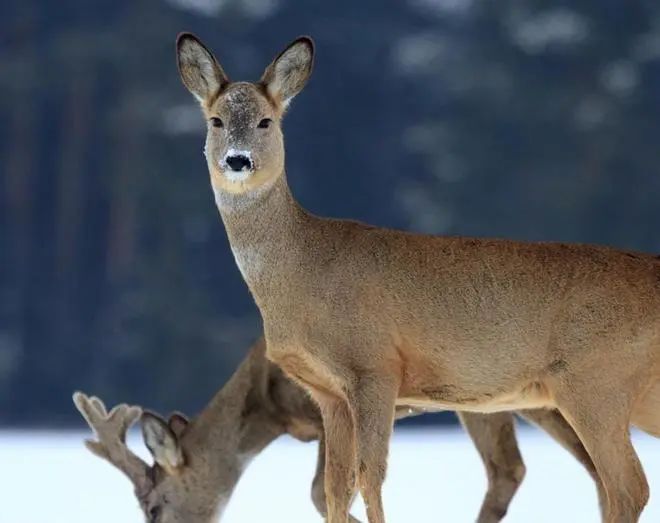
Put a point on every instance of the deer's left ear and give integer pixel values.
(289, 72)
(161, 442)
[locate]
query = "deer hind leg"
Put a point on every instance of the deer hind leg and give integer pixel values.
(552, 422)
(339, 456)
(374, 399)
(495, 439)
(600, 415)
(318, 489)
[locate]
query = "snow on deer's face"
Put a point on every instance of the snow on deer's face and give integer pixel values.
(244, 145)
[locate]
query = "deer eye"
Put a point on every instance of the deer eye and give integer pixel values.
(265, 123)
(216, 122)
(154, 512)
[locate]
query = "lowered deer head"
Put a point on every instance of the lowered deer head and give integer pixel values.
(197, 463)
(161, 489)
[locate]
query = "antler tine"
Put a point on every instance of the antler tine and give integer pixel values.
(110, 430)
(98, 404)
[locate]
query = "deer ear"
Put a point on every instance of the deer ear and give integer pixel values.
(161, 442)
(289, 72)
(199, 70)
(178, 423)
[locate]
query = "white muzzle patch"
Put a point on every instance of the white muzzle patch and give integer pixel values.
(233, 175)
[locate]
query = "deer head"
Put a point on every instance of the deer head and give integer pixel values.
(244, 144)
(180, 487)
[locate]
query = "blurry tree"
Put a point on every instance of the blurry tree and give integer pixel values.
(542, 120)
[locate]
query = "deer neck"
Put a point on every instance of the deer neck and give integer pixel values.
(234, 427)
(264, 228)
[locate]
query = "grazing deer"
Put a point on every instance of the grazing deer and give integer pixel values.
(197, 464)
(368, 318)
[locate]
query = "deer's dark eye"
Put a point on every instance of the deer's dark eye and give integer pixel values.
(217, 122)
(265, 123)
(154, 513)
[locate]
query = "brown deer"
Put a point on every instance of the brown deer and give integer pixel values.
(197, 464)
(368, 318)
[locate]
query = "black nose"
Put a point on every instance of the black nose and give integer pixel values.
(239, 162)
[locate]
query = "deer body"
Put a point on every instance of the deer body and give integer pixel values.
(359, 290)
(367, 318)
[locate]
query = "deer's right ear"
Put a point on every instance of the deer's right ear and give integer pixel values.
(199, 70)
(161, 442)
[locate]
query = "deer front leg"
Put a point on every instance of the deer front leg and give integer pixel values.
(339, 456)
(600, 415)
(318, 489)
(552, 422)
(374, 400)
(494, 437)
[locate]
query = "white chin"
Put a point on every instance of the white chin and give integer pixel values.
(237, 176)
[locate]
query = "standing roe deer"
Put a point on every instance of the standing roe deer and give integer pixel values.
(197, 464)
(368, 318)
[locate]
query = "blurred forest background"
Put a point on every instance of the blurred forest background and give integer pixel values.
(525, 119)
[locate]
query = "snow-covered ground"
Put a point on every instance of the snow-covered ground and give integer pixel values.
(434, 475)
